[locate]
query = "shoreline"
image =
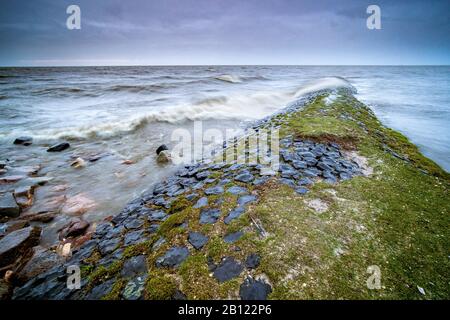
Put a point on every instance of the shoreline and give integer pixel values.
(221, 224)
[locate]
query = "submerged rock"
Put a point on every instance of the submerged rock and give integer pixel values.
(59, 147)
(24, 140)
(8, 206)
(163, 157)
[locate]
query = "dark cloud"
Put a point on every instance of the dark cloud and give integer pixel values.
(224, 32)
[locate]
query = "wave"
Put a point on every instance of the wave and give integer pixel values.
(240, 107)
(229, 78)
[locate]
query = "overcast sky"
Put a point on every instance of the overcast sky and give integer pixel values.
(177, 32)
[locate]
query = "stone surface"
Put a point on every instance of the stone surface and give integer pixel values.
(244, 177)
(8, 205)
(197, 240)
(209, 216)
(18, 243)
(233, 237)
(134, 266)
(202, 202)
(252, 261)
(243, 200)
(252, 289)
(235, 213)
(161, 148)
(173, 257)
(24, 140)
(301, 190)
(228, 269)
(237, 190)
(163, 157)
(41, 261)
(134, 288)
(214, 190)
(59, 147)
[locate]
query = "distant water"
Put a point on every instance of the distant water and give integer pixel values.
(126, 112)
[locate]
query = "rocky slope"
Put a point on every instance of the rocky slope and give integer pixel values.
(349, 194)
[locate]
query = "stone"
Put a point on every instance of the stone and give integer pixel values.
(75, 228)
(252, 289)
(191, 196)
(11, 179)
(297, 164)
(163, 157)
(134, 237)
(134, 266)
(8, 206)
(202, 175)
(158, 243)
(235, 213)
(133, 223)
(233, 237)
(41, 261)
(197, 240)
(244, 177)
(77, 205)
(173, 257)
(288, 182)
(304, 181)
(243, 200)
(2, 164)
(156, 215)
(228, 269)
(301, 190)
(214, 190)
(252, 261)
(59, 147)
(101, 290)
(260, 181)
(108, 246)
(209, 216)
(24, 140)
(237, 190)
(78, 163)
(162, 147)
(202, 202)
(18, 243)
(134, 288)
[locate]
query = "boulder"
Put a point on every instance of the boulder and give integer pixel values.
(78, 163)
(163, 157)
(59, 147)
(24, 140)
(162, 147)
(8, 206)
(17, 244)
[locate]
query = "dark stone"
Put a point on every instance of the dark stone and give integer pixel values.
(133, 223)
(252, 289)
(173, 257)
(288, 182)
(310, 173)
(74, 229)
(108, 246)
(178, 295)
(209, 216)
(252, 261)
(301, 190)
(162, 147)
(157, 215)
(101, 290)
(235, 213)
(198, 240)
(134, 288)
(134, 266)
(233, 237)
(260, 181)
(17, 244)
(345, 176)
(214, 190)
(304, 182)
(202, 175)
(244, 177)
(243, 200)
(8, 206)
(228, 269)
(26, 141)
(297, 164)
(59, 147)
(41, 261)
(202, 202)
(306, 154)
(191, 196)
(134, 237)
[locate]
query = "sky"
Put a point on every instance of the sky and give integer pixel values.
(224, 32)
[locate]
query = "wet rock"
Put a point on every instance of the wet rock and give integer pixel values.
(78, 163)
(162, 147)
(233, 237)
(252, 289)
(2, 164)
(41, 217)
(8, 206)
(75, 228)
(228, 269)
(101, 290)
(197, 240)
(244, 177)
(234, 214)
(77, 205)
(41, 261)
(11, 179)
(134, 288)
(202, 202)
(24, 196)
(202, 175)
(59, 147)
(173, 257)
(209, 216)
(163, 157)
(252, 261)
(214, 190)
(17, 244)
(133, 223)
(134, 266)
(108, 246)
(24, 140)
(134, 237)
(111, 258)
(237, 190)
(16, 225)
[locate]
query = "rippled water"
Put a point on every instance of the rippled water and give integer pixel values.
(126, 112)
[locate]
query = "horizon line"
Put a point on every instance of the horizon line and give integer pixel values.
(228, 65)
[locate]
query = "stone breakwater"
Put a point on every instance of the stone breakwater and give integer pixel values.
(144, 250)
